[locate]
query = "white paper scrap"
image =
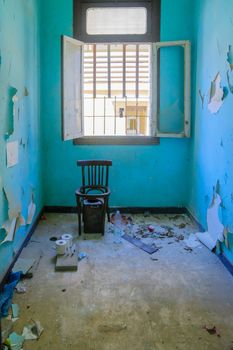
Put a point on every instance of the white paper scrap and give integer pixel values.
(12, 153)
(192, 241)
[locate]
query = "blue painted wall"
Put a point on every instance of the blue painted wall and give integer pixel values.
(213, 133)
(19, 71)
(141, 175)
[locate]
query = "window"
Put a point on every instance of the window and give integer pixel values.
(119, 83)
(116, 20)
(116, 99)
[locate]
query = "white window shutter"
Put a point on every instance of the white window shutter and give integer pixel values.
(155, 90)
(72, 124)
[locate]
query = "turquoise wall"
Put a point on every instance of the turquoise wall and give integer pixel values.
(212, 146)
(141, 175)
(19, 72)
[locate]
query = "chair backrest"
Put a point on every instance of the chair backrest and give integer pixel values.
(95, 172)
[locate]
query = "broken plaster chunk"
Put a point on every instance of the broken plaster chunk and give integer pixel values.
(216, 95)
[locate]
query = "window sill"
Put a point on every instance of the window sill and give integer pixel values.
(116, 140)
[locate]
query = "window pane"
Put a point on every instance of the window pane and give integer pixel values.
(116, 20)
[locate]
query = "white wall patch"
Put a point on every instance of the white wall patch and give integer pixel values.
(12, 153)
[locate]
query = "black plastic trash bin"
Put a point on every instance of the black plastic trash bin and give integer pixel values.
(93, 215)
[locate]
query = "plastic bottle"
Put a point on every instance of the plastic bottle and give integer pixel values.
(117, 224)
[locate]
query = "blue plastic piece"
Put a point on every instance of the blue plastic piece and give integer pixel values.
(7, 294)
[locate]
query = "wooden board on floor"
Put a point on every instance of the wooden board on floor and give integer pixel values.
(66, 263)
(148, 249)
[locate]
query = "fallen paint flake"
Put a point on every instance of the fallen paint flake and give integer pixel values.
(230, 57)
(15, 310)
(12, 153)
(216, 95)
(16, 341)
(214, 226)
(31, 212)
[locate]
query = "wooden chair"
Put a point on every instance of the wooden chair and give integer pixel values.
(95, 175)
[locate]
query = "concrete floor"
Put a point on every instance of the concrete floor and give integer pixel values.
(120, 299)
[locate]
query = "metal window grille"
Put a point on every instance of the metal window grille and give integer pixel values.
(117, 80)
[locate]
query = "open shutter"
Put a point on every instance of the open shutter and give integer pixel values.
(72, 124)
(170, 89)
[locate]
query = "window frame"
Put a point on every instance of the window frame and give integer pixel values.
(153, 35)
(153, 27)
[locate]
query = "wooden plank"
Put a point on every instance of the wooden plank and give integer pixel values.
(67, 262)
(148, 249)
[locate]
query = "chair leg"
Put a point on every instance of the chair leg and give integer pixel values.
(79, 215)
(108, 210)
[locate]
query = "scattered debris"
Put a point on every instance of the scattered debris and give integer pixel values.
(82, 255)
(179, 238)
(33, 332)
(212, 330)
(106, 328)
(182, 225)
(43, 218)
(216, 95)
(188, 249)
(154, 258)
(214, 226)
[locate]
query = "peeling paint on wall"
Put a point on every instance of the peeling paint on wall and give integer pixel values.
(12, 99)
(12, 153)
(216, 95)
(202, 97)
(26, 92)
(230, 81)
(230, 57)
